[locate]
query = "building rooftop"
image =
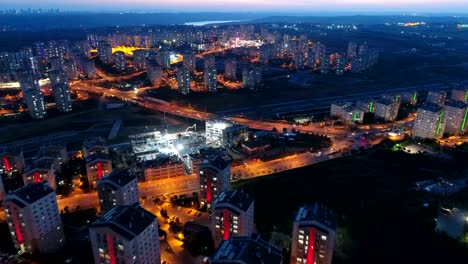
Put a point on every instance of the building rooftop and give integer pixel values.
(317, 212)
(236, 198)
(208, 153)
(118, 178)
(128, 221)
(385, 101)
(430, 107)
(255, 143)
(456, 104)
(94, 142)
(162, 160)
(219, 162)
(50, 151)
(97, 156)
(247, 250)
(30, 193)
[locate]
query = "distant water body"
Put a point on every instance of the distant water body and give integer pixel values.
(204, 23)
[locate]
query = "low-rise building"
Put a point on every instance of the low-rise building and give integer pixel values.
(252, 147)
(347, 113)
(163, 167)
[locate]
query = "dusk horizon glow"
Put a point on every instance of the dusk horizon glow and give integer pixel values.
(298, 6)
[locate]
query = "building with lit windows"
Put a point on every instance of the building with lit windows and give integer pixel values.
(192, 161)
(163, 167)
(87, 67)
(209, 61)
(215, 177)
(251, 77)
(459, 94)
(456, 113)
(164, 59)
(154, 72)
(246, 250)
(209, 77)
(139, 59)
(299, 60)
(33, 219)
(98, 165)
(325, 64)
(120, 61)
(386, 109)
(32, 96)
(94, 145)
(10, 162)
(340, 64)
(61, 90)
(313, 237)
(225, 133)
(232, 216)
(69, 66)
(430, 122)
(352, 50)
(183, 80)
(347, 113)
(117, 188)
(230, 69)
(437, 98)
(125, 235)
(43, 171)
(189, 61)
(105, 53)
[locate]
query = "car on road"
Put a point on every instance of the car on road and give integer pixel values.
(198, 214)
(189, 211)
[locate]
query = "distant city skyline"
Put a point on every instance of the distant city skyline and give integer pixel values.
(280, 6)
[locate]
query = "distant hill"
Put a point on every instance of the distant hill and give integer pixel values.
(361, 19)
(93, 20)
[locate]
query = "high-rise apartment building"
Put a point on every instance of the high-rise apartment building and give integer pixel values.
(120, 61)
(313, 237)
(189, 61)
(183, 80)
(125, 235)
(61, 90)
(386, 109)
(33, 219)
(98, 165)
(154, 72)
(230, 69)
(232, 216)
(456, 113)
(209, 61)
(209, 77)
(32, 96)
(436, 97)
(430, 122)
(117, 188)
(215, 177)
